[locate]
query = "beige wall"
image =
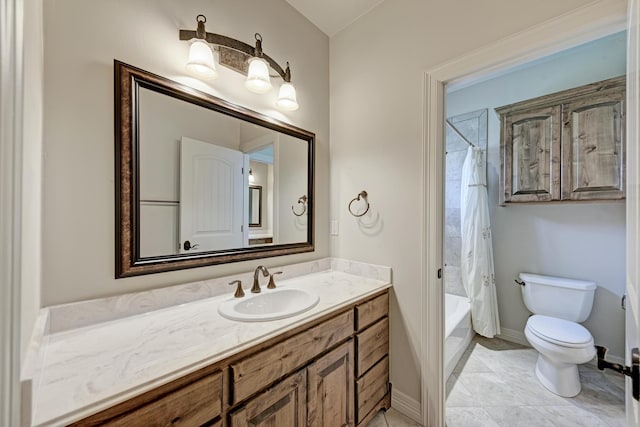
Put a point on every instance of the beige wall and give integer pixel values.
(377, 67)
(82, 37)
(31, 256)
(291, 182)
(163, 122)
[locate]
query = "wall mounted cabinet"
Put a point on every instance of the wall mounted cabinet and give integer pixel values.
(564, 146)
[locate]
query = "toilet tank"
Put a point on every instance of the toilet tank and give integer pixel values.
(567, 299)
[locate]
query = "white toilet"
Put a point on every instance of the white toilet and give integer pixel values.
(557, 305)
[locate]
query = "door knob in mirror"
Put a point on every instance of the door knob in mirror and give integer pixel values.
(188, 246)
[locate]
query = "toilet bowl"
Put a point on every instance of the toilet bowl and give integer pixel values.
(561, 346)
(558, 305)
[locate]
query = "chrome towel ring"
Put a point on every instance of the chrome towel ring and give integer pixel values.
(361, 195)
(303, 201)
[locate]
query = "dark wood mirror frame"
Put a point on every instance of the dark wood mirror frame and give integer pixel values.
(128, 80)
(258, 188)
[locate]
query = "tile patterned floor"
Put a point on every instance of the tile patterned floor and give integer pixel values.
(391, 418)
(494, 384)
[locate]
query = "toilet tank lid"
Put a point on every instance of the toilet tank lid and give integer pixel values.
(585, 285)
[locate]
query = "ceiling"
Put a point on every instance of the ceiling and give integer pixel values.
(331, 16)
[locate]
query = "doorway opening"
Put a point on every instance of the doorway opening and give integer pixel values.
(491, 376)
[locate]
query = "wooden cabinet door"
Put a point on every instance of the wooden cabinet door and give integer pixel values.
(283, 405)
(331, 389)
(530, 148)
(593, 156)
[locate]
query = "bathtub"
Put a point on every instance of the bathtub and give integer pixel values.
(457, 330)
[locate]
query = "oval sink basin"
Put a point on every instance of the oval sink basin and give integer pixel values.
(269, 305)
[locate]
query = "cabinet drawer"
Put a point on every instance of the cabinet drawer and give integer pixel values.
(370, 311)
(255, 372)
(371, 388)
(373, 345)
(194, 404)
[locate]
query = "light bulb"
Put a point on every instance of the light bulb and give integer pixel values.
(287, 99)
(201, 60)
(258, 76)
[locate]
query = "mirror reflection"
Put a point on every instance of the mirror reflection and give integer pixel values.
(212, 182)
(183, 177)
(255, 205)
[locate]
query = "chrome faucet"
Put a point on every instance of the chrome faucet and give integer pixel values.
(256, 285)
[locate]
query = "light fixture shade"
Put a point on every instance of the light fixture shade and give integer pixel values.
(201, 60)
(287, 99)
(258, 76)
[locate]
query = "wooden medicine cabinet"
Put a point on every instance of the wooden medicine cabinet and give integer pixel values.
(566, 146)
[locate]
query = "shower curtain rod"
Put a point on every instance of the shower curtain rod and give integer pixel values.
(455, 129)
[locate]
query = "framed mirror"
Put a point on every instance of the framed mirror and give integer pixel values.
(200, 181)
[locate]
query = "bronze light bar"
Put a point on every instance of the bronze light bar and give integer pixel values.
(245, 49)
(241, 57)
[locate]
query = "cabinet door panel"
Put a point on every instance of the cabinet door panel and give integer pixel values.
(331, 390)
(283, 405)
(593, 152)
(531, 155)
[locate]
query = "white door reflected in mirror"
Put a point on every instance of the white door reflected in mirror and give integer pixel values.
(211, 189)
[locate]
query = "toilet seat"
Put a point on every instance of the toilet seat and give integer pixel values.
(561, 332)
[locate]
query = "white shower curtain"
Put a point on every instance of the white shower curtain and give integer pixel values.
(477, 252)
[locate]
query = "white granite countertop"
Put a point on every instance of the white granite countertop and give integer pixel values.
(82, 364)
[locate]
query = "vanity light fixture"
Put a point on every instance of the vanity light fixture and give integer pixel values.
(241, 57)
(200, 60)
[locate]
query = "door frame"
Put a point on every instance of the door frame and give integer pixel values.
(11, 49)
(632, 328)
(593, 21)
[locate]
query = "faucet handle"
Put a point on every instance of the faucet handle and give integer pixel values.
(272, 283)
(239, 291)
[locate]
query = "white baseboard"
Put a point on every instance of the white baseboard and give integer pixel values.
(513, 335)
(406, 405)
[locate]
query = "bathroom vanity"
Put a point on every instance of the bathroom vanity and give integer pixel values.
(187, 365)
